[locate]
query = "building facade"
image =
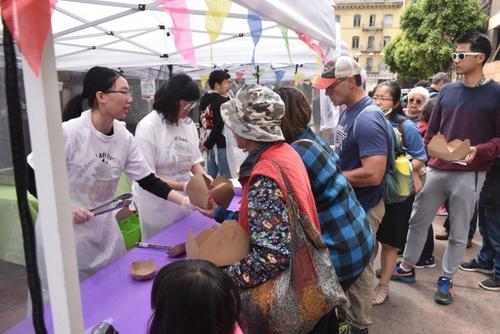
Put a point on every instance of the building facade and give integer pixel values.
(368, 26)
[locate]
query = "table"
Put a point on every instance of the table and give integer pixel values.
(112, 293)
(11, 239)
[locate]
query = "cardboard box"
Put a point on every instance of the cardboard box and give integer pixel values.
(200, 188)
(452, 151)
(222, 245)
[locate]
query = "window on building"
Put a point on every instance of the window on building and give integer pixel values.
(387, 40)
(337, 18)
(372, 20)
(371, 42)
(388, 20)
(355, 42)
(357, 21)
(369, 65)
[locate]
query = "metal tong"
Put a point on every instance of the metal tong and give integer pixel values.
(121, 202)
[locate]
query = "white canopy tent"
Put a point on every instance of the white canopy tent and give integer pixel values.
(120, 34)
(131, 34)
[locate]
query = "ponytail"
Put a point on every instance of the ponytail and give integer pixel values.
(74, 108)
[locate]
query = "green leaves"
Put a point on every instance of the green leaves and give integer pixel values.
(429, 29)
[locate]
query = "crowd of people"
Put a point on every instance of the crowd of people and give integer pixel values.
(293, 184)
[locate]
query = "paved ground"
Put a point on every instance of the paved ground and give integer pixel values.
(474, 311)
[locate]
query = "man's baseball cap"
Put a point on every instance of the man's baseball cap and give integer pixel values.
(342, 67)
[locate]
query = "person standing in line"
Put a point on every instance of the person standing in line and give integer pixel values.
(488, 259)
(168, 141)
(363, 156)
(464, 110)
(211, 125)
(439, 80)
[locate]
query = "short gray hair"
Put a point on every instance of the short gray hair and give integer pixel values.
(441, 76)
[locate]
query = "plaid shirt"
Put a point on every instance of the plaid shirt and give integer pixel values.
(344, 227)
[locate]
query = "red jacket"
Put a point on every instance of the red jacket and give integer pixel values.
(293, 168)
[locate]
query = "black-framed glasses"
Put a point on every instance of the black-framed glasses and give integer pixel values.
(462, 55)
(335, 84)
(381, 98)
(125, 93)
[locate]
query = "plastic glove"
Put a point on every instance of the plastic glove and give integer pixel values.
(184, 187)
(81, 215)
(186, 203)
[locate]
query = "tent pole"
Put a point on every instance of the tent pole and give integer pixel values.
(44, 115)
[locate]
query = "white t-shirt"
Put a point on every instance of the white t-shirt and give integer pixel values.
(170, 150)
(94, 163)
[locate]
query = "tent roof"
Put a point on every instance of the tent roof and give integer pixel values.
(128, 34)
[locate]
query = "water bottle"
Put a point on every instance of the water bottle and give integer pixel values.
(402, 165)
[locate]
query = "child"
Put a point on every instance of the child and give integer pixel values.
(194, 297)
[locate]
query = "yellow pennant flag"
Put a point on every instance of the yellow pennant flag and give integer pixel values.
(299, 77)
(314, 78)
(214, 19)
(203, 80)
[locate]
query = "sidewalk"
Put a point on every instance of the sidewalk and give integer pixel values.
(474, 309)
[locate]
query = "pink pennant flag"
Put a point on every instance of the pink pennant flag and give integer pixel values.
(181, 29)
(240, 74)
(29, 23)
(312, 45)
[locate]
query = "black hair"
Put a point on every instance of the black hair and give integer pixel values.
(395, 91)
(217, 76)
(167, 97)
(423, 83)
(478, 43)
(426, 111)
(194, 297)
(96, 79)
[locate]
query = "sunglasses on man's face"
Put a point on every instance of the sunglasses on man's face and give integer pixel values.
(416, 101)
(335, 84)
(461, 55)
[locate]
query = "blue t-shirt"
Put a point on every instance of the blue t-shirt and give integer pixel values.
(372, 138)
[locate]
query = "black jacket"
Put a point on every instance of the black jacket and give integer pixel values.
(490, 194)
(210, 105)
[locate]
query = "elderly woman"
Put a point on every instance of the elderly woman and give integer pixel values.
(254, 117)
(417, 99)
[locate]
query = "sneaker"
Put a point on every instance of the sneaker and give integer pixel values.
(442, 211)
(444, 291)
(443, 236)
(398, 274)
(492, 284)
(474, 266)
(427, 263)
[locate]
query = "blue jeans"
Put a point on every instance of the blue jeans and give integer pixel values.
(489, 227)
(219, 165)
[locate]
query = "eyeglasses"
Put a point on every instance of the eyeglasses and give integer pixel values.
(461, 55)
(381, 98)
(416, 101)
(335, 84)
(125, 93)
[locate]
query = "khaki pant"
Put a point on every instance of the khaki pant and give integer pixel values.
(360, 293)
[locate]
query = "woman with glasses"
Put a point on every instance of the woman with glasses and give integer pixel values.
(417, 99)
(98, 149)
(394, 227)
(168, 140)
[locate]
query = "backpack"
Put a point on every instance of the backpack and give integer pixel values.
(396, 185)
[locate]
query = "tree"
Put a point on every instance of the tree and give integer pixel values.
(429, 29)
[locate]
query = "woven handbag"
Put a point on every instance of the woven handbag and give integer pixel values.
(295, 300)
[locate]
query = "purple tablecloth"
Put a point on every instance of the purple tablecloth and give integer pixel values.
(112, 293)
